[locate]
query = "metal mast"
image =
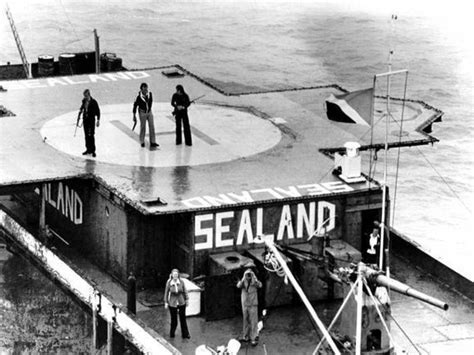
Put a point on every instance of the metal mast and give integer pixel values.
(384, 229)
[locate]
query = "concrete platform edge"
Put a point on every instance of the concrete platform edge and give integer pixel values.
(408, 249)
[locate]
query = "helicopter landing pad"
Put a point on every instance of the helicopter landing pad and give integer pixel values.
(220, 134)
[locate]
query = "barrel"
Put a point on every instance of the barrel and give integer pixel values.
(110, 62)
(67, 64)
(45, 65)
(400, 287)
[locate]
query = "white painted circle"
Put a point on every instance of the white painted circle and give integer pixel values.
(220, 134)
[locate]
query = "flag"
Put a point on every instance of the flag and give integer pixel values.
(353, 107)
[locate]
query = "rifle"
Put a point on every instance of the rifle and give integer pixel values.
(77, 124)
(190, 102)
(197, 98)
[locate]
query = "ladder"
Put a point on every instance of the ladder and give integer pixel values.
(26, 65)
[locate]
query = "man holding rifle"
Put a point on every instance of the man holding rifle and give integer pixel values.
(180, 102)
(89, 111)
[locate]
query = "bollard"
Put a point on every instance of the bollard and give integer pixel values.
(132, 293)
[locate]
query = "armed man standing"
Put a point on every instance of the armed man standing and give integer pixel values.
(180, 102)
(89, 110)
(143, 102)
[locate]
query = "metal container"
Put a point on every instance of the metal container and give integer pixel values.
(67, 64)
(110, 62)
(45, 65)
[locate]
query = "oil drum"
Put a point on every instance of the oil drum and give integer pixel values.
(67, 64)
(110, 62)
(45, 65)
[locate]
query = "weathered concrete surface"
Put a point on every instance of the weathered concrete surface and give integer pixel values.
(83, 290)
(35, 315)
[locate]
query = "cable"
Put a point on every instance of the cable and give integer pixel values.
(70, 23)
(399, 150)
(402, 330)
(441, 177)
(275, 266)
(445, 182)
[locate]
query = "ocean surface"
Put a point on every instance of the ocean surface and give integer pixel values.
(277, 44)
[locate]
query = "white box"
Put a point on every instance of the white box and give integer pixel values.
(351, 166)
(194, 294)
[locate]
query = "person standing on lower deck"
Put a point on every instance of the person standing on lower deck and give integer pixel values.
(143, 102)
(176, 300)
(180, 102)
(89, 110)
(249, 284)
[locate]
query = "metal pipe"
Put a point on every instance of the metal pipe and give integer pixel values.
(97, 52)
(400, 287)
(383, 227)
(407, 290)
(110, 331)
(132, 293)
(302, 295)
(58, 236)
(384, 186)
(359, 312)
(42, 213)
(94, 329)
(391, 73)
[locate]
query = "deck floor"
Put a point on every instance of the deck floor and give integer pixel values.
(240, 143)
(288, 330)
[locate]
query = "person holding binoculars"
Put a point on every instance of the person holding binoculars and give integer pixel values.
(249, 284)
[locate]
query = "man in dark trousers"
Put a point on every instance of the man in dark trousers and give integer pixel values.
(89, 110)
(180, 102)
(143, 102)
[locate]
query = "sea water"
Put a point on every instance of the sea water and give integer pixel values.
(278, 44)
